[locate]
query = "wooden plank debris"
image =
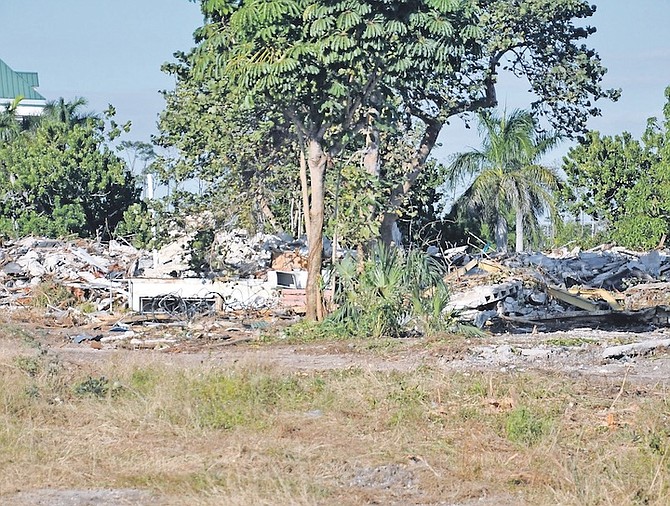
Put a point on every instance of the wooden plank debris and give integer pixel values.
(599, 294)
(572, 299)
(462, 271)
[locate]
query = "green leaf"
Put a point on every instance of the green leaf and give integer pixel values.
(347, 20)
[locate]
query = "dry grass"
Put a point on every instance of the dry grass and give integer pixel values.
(260, 435)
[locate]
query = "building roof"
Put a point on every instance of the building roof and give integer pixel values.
(18, 84)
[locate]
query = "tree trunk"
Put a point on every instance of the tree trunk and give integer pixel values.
(371, 159)
(267, 212)
(316, 163)
(305, 189)
(501, 234)
(519, 232)
(413, 167)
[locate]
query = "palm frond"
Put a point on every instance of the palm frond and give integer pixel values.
(465, 165)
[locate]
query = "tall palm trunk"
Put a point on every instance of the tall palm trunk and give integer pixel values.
(501, 234)
(519, 231)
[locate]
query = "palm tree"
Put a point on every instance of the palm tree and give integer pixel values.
(69, 113)
(9, 124)
(507, 175)
(59, 111)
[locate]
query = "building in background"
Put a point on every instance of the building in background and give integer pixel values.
(22, 85)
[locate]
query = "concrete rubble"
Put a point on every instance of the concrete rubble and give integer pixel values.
(90, 272)
(234, 253)
(55, 274)
(598, 287)
(260, 273)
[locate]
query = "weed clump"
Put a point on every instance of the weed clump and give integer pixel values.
(525, 427)
(94, 387)
(29, 365)
(52, 294)
(390, 294)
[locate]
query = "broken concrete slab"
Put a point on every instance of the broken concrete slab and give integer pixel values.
(630, 350)
(481, 296)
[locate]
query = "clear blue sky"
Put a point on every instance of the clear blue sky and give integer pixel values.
(107, 51)
(111, 52)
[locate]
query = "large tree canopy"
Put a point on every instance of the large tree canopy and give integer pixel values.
(61, 178)
(624, 183)
(339, 71)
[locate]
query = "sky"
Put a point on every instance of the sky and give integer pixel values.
(107, 51)
(110, 52)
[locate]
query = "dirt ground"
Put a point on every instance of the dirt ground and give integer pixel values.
(577, 352)
(574, 353)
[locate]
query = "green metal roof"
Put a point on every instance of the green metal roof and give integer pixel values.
(14, 84)
(30, 77)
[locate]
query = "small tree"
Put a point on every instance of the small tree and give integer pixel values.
(69, 113)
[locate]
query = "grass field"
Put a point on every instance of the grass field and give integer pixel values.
(258, 434)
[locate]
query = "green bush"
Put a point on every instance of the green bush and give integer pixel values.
(395, 293)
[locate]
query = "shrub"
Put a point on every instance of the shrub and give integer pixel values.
(395, 293)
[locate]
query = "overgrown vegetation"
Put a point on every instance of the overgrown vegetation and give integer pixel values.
(51, 294)
(388, 293)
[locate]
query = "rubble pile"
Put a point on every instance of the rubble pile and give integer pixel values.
(597, 286)
(69, 273)
(613, 269)
(528, 290)
(234, 253)
(91, 271)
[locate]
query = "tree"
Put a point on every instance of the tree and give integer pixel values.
(240, 153)
(10, 127)
(538, 40)
(623, 182)
(601, 172)
(62, 178)
(136, 153)
(67, 112)
(507, 174)
(325, 65)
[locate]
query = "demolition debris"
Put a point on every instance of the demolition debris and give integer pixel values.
(257, 273)
(57, 274)
(600, 287)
